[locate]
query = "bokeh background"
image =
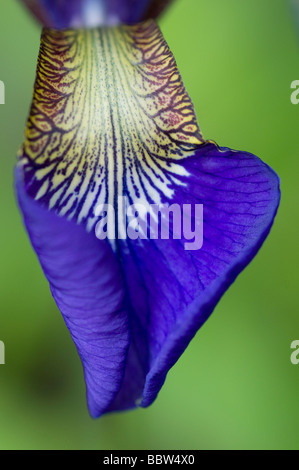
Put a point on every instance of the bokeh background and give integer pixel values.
(234, 387)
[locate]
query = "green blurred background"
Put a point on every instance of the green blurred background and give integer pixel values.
(234, 387)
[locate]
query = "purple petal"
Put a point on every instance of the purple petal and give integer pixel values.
(87, 285)
(63, 14)
(174, 290)
(171, 291)
(111, 117)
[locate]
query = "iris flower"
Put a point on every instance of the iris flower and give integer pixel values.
(111, 117)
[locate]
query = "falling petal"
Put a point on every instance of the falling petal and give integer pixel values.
(111, 118)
